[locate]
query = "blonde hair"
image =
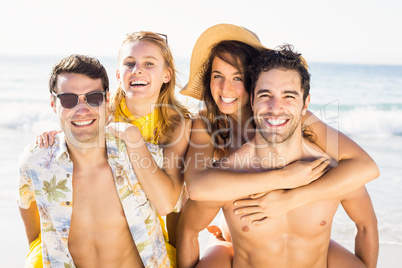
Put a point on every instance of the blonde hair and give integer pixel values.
(166, 98)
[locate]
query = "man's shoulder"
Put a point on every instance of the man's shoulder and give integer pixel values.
(32, 153)
(238, 160)
(312, 151)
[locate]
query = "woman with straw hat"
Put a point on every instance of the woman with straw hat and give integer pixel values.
(219, 77)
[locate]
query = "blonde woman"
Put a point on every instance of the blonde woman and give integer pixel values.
(153, 124)
(145, 99)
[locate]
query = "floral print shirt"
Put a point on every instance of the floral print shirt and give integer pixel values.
(46, 177)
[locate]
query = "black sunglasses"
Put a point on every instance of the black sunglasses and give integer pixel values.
(70, 100)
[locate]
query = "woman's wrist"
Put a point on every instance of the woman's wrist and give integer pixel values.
(133, 137)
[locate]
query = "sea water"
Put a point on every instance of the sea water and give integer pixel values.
(362, 101)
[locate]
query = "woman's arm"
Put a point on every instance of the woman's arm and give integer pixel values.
(161, 185)
(206, 183)
(355, 167)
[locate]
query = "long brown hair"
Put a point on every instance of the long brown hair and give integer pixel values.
(240, 55)
(166, 99)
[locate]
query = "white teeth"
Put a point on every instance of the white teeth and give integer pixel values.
(138, 83)
(276, 122)
(228, 100)
(82, 123)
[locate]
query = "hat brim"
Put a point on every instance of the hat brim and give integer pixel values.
(202, 48)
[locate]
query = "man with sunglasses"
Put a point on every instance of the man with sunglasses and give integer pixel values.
(81, 194)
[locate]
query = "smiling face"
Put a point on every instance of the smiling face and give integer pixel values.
(227, 87)
(142, 71)
(278, 104)
(81, 124)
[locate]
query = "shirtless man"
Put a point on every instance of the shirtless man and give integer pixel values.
(299, 238)
(106, 221)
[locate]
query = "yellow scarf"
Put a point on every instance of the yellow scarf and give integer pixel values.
(146, 124)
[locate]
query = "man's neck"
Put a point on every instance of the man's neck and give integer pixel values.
(88, 156)
(278, 155)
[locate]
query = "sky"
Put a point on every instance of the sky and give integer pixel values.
(341, 31)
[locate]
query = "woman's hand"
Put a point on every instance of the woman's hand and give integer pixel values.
(300, 173)
(46, 138)
(260, 208)
(129, 133)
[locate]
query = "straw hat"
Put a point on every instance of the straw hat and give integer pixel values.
(202, 48)
(208, 40)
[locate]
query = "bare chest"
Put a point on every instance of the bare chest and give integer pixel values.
(95, 199)
(305, 222)
(99, 232)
